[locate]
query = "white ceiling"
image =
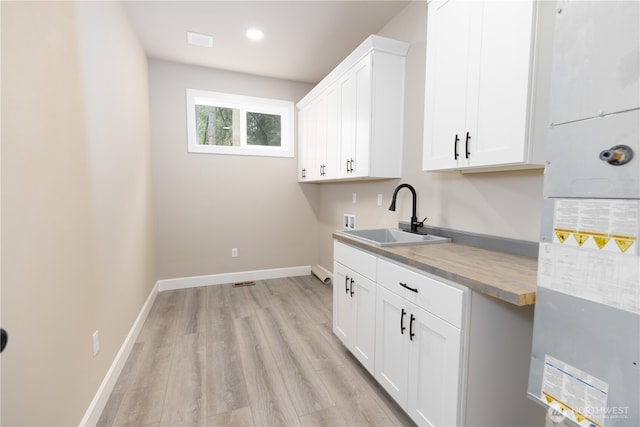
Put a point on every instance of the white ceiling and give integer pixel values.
(304, 40)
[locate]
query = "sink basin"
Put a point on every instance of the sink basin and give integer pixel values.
(393, 237)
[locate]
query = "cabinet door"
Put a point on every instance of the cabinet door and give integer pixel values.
(305, 146)
(363, 295)
(308, 119)
(363, 118)
(354, 299)
(449, 29)
(347, 100)
(499, 126)
(392, 344)
(434, 370)
(320, 129)
(343, 314)
(332, 140)
(478, 84)
(355, 115)
(318, 138)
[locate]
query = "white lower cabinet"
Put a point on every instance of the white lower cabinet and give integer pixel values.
(435, 359)
(417, 360)
(392, 344)
(354, 301)
(418, 354)
(406, 328)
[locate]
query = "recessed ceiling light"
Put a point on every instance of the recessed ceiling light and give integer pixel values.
(198, 39)
(255, 34)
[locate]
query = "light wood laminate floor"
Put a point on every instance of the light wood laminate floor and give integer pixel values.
(260, 355)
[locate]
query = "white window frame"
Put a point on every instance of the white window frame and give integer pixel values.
(284, 109)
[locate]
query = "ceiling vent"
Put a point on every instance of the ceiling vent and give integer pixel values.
(197, 39)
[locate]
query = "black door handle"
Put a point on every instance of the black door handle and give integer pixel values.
(346, 284)
(351, 283)
(455, 147)
(404, 285)
(466, 146)
(402, 327)
(411, 334)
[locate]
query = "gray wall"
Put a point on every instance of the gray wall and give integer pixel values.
(77, 217)
(206, 204)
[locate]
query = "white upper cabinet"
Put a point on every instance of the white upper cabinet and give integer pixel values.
(306, 136)
(350, 125)
(355, 117)
(486, 84)
(448, 31)
(317, 125)
(327, 150)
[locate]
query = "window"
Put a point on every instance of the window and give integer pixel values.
(223, 123)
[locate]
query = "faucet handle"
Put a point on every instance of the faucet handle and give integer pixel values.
(421, 223)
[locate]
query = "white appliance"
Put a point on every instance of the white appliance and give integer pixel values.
(585, 362)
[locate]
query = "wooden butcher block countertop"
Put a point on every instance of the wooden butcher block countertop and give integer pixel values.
(508, 277)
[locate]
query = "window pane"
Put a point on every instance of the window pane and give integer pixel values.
(217, 125)
(263, 129)
(223, 123)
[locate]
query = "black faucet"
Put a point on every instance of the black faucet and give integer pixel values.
(414, 219)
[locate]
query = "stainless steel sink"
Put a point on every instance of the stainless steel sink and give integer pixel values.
(393, 237)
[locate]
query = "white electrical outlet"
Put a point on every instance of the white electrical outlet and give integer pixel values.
(354, 197)
(234, 252)
(379, 199)
(95, 341)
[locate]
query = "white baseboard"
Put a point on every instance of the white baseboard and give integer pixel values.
(242, 276)
(99, 401)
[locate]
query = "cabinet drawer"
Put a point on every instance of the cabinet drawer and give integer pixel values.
(445, 301)
(359, 261)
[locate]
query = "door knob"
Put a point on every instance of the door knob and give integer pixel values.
(3, 339)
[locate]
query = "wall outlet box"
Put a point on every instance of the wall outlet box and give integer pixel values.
(349, 221)
(234, 252)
